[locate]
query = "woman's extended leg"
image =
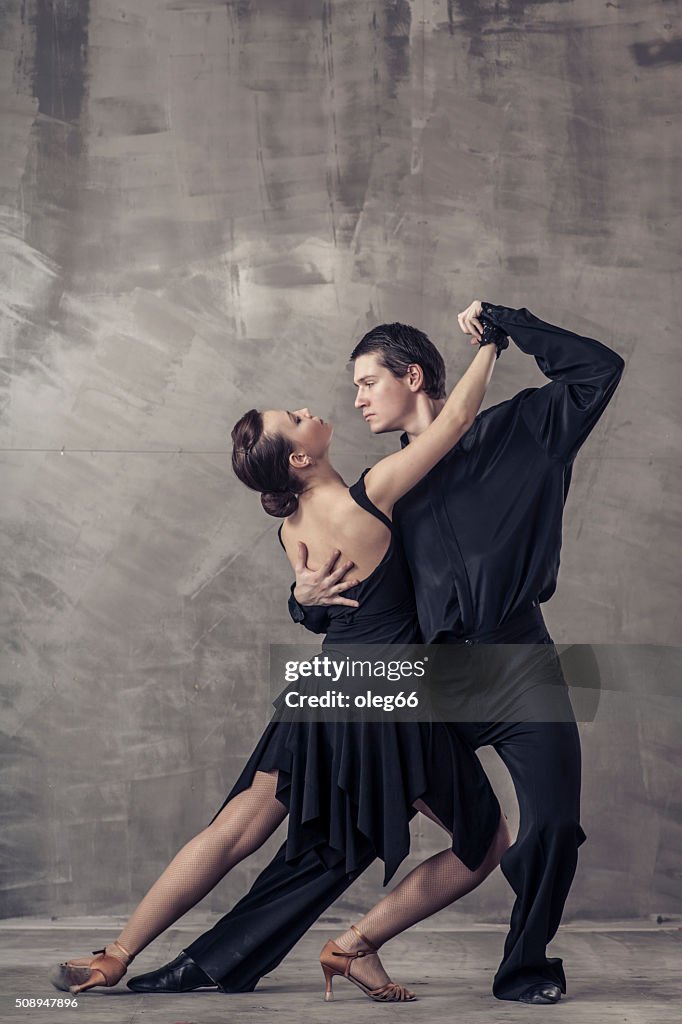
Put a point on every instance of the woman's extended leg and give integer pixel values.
(241, 827)
(432, 885)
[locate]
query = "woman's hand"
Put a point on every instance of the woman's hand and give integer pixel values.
(469, 322)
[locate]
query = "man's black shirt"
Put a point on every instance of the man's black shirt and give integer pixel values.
(482, 531)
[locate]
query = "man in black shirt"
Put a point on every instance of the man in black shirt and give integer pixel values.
(482, 536)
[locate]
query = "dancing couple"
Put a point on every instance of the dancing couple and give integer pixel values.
(453, 540)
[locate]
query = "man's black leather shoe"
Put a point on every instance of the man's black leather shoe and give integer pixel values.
(180, 975)
(545, 992)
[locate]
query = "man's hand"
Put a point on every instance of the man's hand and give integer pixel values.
(469, 322)
(322, 586)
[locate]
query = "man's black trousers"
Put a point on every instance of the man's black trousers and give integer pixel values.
(537, 738)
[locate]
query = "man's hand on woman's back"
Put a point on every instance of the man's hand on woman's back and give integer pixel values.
(323, 586)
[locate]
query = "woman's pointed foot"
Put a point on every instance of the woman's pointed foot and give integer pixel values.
(105, 969)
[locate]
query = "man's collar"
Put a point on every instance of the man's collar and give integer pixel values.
(404, 439)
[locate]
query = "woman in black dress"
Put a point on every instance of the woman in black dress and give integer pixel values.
(347, 787)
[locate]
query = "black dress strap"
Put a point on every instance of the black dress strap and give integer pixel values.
(359, 494)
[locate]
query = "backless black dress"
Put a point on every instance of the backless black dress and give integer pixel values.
(349, 786)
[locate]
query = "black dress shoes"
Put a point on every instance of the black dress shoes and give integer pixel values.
(545, 992)
(180, 975)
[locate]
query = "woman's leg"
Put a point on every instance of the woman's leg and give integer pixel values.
(241, 827)
(431, 886)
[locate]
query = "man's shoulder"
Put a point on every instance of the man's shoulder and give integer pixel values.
(503, 410)
(498, 421)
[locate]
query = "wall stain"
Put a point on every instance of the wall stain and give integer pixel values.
(476, 14)
(61, 40)
(58, 30)
(397, 38)
(656, 53)
(59, 85)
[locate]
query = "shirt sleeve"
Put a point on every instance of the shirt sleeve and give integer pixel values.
(583, 375)
(313, 617)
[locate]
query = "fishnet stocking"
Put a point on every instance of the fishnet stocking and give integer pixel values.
(431, 886)
(241, 827)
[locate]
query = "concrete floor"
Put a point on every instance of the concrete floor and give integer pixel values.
(624, 973)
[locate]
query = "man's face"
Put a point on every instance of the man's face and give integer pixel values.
(384, 400)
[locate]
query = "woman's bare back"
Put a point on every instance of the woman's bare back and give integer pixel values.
(343, 525)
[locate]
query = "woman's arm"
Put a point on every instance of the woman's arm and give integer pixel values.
(389, 479)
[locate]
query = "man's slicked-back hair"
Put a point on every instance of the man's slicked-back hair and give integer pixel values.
(399, 346)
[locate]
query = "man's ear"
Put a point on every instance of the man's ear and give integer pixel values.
(299, 460)
(415, 377)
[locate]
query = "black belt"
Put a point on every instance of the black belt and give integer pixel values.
(523, 619)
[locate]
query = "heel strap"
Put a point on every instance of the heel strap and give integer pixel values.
(127, 957)
(372, 947)
(130, 956)
(353, 956)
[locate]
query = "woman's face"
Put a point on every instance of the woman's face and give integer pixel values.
(310, 434)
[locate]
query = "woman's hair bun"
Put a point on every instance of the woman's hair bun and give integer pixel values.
(279, 503)
(261, 462)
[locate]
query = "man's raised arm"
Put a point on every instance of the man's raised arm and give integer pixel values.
(583, 372)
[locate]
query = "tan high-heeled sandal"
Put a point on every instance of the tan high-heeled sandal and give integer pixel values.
(391, 992)
(105, 969)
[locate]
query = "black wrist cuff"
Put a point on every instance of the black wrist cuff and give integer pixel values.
(295, 609)
(492, 334)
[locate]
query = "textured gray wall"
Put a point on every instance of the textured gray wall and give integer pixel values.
(204, 203)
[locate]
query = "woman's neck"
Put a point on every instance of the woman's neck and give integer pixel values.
(322, 481)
